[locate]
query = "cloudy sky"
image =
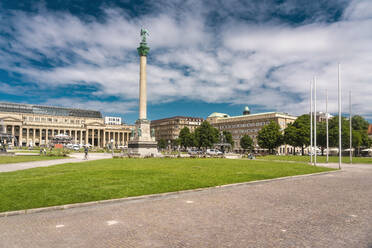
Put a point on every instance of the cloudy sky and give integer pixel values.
(206, 56)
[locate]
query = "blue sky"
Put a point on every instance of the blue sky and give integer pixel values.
(206, 56)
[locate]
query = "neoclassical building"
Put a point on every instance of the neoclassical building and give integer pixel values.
(35, 125)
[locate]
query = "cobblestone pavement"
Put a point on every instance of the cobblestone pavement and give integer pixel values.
(74, 158)
(329, 210)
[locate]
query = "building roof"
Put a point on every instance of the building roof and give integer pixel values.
(248, 116)
(47, 110)
(177, 117)
(220, 115)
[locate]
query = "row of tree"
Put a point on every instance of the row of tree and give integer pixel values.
(204, 136)
(297, 134)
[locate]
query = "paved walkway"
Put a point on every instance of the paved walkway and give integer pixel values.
(74, 158)
(330, 210)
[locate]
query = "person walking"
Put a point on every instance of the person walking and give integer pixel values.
(86, 152)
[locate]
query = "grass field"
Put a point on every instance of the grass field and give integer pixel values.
(19, 159)
(320, 159)
(116, 178)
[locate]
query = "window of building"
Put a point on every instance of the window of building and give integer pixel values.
(30, 118)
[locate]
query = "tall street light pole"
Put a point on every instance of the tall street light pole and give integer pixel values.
(315, 146)
(327, 134)
(311, 122)
(339, 118)
(350, 129)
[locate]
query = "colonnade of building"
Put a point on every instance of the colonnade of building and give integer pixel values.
(97, 137)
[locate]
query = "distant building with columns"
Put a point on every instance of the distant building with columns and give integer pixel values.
(35, 125)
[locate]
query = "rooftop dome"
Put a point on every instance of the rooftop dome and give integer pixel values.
(246, 111)
(221, 115)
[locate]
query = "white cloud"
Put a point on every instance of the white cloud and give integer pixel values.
(269, 64)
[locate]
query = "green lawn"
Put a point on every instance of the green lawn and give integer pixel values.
(116, 178)
(18, 159)
(320, 159)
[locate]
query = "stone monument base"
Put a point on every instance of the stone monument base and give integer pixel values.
(143, 148)
(142, 143)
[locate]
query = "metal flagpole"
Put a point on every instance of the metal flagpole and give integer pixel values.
(315, 147)
(311, 122)
(327, 135)
(351, 137)
(339, 119)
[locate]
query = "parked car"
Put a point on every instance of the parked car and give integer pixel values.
(76, 147)
(213, 152)
(194, 151)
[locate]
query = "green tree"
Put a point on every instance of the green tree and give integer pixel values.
(333, 132)
(228, 137)
(359, 123)
(206, 135)
(176, 142)
(270, 136)
(321, 137)
(162, 144)
(297, 134)
(185, 137)
(246, 142)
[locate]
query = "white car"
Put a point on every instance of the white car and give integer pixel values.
(76, 147)
(213, 152)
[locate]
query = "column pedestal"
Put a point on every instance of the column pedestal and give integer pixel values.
(142, 144)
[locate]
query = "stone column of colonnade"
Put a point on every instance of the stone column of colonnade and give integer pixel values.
(20, 136)
(104, 139)
(27, 136)
(93, 137)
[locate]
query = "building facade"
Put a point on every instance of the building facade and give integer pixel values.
(250, 124)
(169, 128)
(34, 125)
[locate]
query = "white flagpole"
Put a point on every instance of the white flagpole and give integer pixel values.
(327, 135)
(315, 147)
(351, 133)
(339, 119)
(311, 122)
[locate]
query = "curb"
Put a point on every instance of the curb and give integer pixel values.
(155, 196)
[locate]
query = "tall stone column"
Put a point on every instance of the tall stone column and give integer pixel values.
(143, 86)
(142, 143)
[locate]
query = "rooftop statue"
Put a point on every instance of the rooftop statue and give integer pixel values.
(144, 32)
